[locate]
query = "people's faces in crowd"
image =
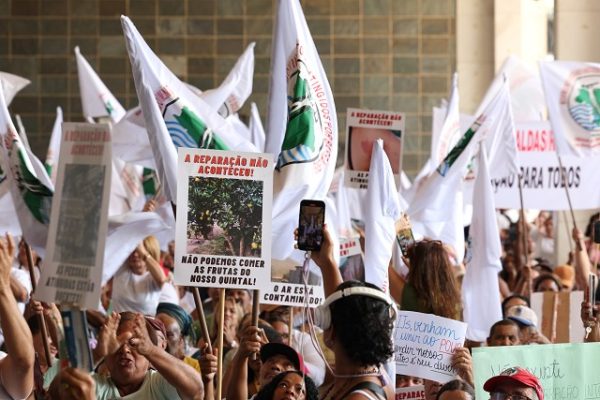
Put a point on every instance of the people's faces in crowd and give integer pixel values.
(513, 301)
(504, 391)
(431, 389)
(242, 297)
(283, 329)
(175, 345)
(136, 263)
(126, 365)
(504, 335)
(291, 387)
(273, 366)
(403, 381)
(547, 285)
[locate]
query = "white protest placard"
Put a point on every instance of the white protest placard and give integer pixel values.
(72, 272)
(223, 228)
(287, 286)
(411, 392)
(424, 344)
(363, 128)
(542, 182)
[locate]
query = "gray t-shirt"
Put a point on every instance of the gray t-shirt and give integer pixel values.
(155, 387)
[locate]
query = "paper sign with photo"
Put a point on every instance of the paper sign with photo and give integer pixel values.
(363, 127)
(223, 229)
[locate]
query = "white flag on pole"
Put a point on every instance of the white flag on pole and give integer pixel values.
(11, 85)
(54, 146)
(257, 132)
(382, 211)
(29, 184)
(573, 97)
(96, 99)
(302, 124)
(480, 291)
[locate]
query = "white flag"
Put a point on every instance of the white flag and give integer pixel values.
(190, 121)
(130, 139)
(573, 98)
(8, 214)
(230, 96)
(257, 132)
(22, 131)
(96, 99)
(382, 210)
(302, 124)
(54, 146)
(28, 181)
(11, 85)
(481, 295)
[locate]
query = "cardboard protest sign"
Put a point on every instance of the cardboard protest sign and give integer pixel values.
(542, 181)
(424, 344)
(363, 127)
(287, 285)
(411, 392)
(560, 315)
(223, 228)
(72, 272)
(566, 371)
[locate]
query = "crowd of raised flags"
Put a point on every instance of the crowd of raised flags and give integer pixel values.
(301, 132)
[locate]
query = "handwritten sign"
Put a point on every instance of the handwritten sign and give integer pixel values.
(223, 229)
(411, 392)
(566, 371)
(424, 344)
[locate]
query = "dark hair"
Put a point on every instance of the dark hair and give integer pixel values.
(432, 277)
(372, 342)
(267, 391)
(589, 229)
(456, 384)
(545, 277)
(503, 322)
(512, 296)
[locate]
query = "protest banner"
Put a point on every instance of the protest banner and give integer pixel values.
(72, 272)
(288, 288)
(424, 344)
(363, 127)
(223, 228)
(411, 392)
(560, 315)
(565, 370)
(543, 186)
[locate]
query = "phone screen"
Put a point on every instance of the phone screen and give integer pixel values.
(404, 235)
(310, 227)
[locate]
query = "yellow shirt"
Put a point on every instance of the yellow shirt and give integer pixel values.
(192, 362)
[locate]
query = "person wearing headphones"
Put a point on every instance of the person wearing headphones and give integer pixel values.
(359, 353)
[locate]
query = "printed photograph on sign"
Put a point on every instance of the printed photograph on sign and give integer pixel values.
(223, 224)
(225, 217)
(363, 128)
(76, 241)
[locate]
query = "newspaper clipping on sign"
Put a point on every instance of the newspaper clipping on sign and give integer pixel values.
(223, 229)
(363, 127)
(72, 270)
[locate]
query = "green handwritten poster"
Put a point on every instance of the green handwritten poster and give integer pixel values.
(566, 371)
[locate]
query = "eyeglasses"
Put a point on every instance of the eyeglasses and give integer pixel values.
(506, 396)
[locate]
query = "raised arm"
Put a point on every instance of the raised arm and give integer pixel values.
(238, 381)
(181, 376)
(152, 265)
(16, 369)
(324, 259)
(583, 265)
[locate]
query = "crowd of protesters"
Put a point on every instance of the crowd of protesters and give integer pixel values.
(147, 342)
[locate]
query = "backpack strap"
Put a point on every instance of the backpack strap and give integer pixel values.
(369, 386)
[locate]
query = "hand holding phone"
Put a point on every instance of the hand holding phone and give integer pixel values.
(404, 235)
(310, 226)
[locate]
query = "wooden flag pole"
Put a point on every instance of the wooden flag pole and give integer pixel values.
(220, 343)
(202, 318)
(255, 307)
(41, 320)
(564, 182)
(291, 326)
(564, 214)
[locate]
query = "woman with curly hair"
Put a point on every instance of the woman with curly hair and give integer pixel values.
(359, 352)
(431, 286)
(289, 385)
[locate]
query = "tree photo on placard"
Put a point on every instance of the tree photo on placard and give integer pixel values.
(225, 217)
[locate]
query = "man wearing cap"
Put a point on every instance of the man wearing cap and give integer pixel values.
(275, 358)
(527, 320)
(515, 383)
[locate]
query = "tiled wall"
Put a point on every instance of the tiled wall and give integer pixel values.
(381, 54)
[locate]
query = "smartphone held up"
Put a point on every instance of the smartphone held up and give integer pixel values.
(310, 225)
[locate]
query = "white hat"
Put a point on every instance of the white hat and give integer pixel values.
(523, 315)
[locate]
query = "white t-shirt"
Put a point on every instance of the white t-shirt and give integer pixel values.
(168, 294)
(137, 293)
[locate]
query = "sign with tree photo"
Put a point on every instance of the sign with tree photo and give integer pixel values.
(223, 218)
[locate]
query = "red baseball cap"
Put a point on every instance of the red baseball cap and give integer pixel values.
(515, 375)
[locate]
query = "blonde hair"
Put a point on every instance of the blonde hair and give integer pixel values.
(152, 247)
